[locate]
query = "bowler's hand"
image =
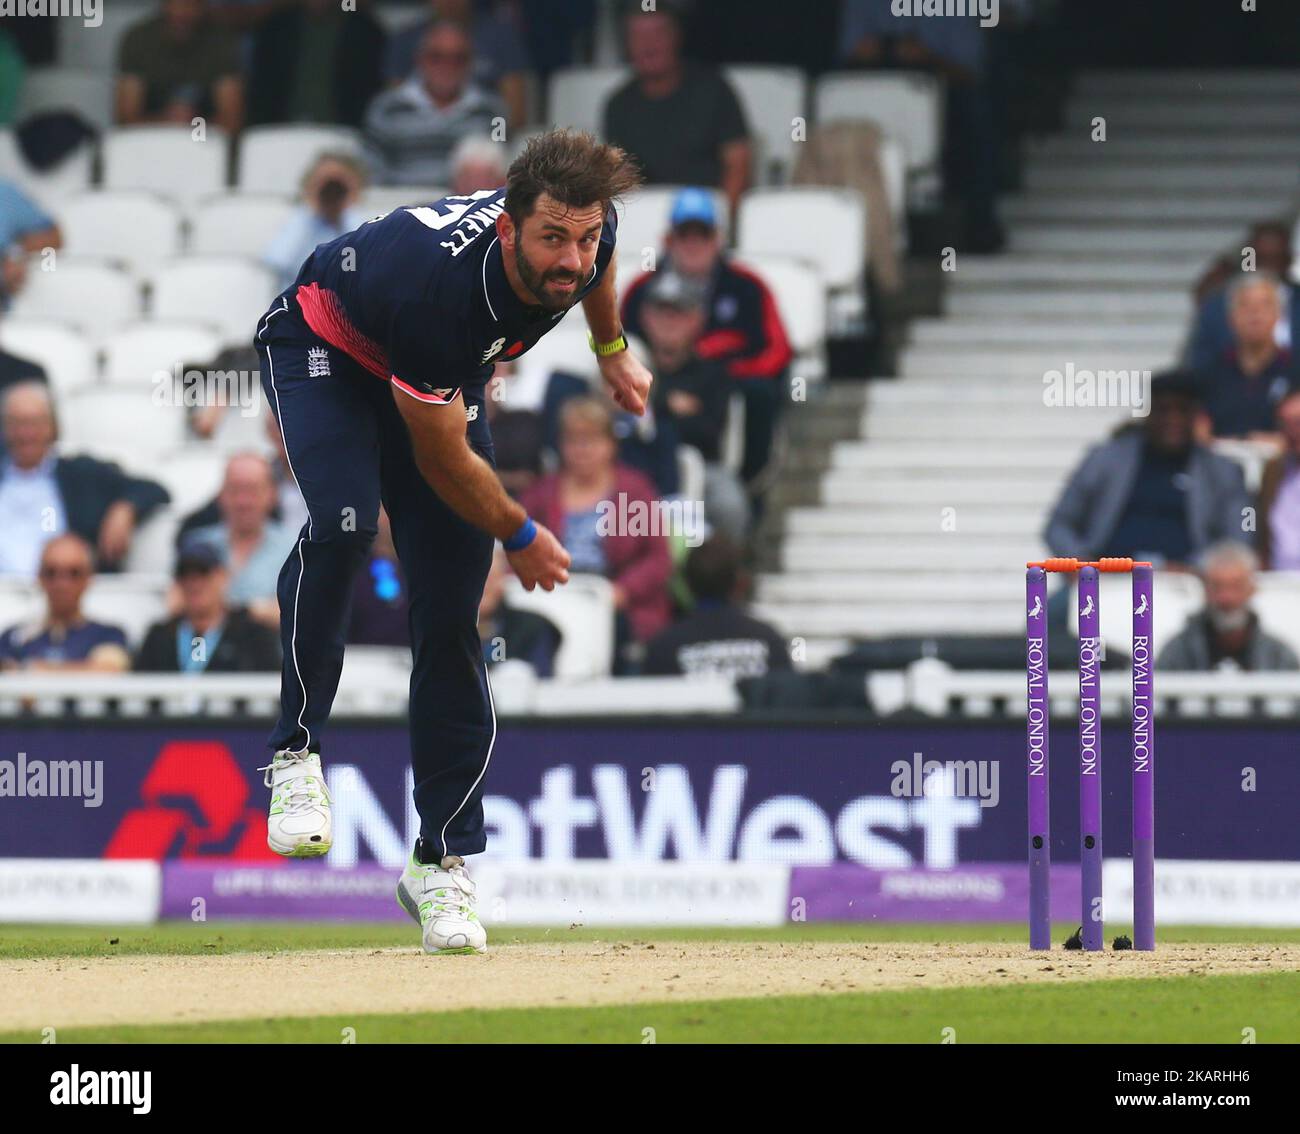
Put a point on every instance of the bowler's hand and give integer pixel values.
(628, 379)
(544, 562)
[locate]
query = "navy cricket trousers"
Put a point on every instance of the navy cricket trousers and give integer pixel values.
(349, 449)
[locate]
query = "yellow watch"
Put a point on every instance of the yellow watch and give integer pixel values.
(604, 349)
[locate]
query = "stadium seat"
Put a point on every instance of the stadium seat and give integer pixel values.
(66, 354)
(583, 611)
(94, 297)
(133, 602)
(134, 354)
(237, 224)
(230, 292)
(135, 228)
(643, 219)
(273, 159)
(1277, 602)
(167, 160)
(153, 547)
(86, 93)
(192, 475)
(800, 296)
(1178, 597)
(831, 230)
(101, 420)
(380, 200)
(772, 97)
(20, 601)
(71, 176)
(95, 48)
(908, 107)
(578, 95)
(690, 473)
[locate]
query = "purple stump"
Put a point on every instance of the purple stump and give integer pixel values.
(1090, 756)
(1037, 720)
(1144, 764)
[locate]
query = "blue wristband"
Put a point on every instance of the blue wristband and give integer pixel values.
(522, 538)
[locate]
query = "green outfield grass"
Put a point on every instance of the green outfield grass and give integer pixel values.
(1176, 1010)
(182, 937)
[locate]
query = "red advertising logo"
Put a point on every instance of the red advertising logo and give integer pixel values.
(195, 806)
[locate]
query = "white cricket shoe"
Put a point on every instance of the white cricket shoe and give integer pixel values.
(299, 825)
(442, 898)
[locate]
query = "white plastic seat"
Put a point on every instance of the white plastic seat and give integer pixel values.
(825, 226)
(907, 106)
(132, 227)
(192, 476)
(131, 602)
(690, 473)
(380, 200)
(94, 297)
(800, 296)
(20, 601)
(153, 546)
(87, 93)
(66, 354)
(237, 224)
(583, 611)
(135, 354)
(105, 420)
(273, 159)
(48, 189)
(1277, 602)
(229, 292)
(578, 95)
(167, 160)
(771, 97)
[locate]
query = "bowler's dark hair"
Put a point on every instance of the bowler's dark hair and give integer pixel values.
(713, 569)
(571, 167)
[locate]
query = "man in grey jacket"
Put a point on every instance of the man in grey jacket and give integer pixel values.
(1227, 634)
(1152, 492)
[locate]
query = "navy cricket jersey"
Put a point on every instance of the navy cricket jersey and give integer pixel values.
(420, 297)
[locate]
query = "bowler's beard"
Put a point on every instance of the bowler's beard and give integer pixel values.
(536, 282)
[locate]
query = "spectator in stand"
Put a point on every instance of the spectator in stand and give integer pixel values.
(313, 61)
(25, 229)
(65, 640)
(289, 510)
(682, 121)
(692, 393)
(500, 58)
(1227, 634)
(208, 635)
(380, 604)
(252, 545)
(43, 494)
(330, 191)
(178, 66)
(717, 637)
(955, 49)
(413, 129)
(477, 164)
(1278, 509)
(13, 371)
(743, 329)
(607, 516)
(508, 634)
(1211, 334)
(1152, 492)
(1244, 385)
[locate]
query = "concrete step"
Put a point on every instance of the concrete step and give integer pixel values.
(1165, 143)
(1173, 177)
(822, 587)
(1013, 363)
(1068, 424)
(1145, 209)
(855, 489)
(872, 621)
(1037, 272)
(1011, 330)
(1253, 82)
(1068, 305)
(908, 519)
(889, 554)
(1120, 239)
(966, 455)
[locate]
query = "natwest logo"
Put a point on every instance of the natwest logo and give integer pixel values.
(195, 804)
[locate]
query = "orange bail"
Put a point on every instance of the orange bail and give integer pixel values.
(1114, 565)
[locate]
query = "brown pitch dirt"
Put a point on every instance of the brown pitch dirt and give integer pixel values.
(67, 991)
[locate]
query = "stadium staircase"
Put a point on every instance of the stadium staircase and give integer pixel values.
(909, 504)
